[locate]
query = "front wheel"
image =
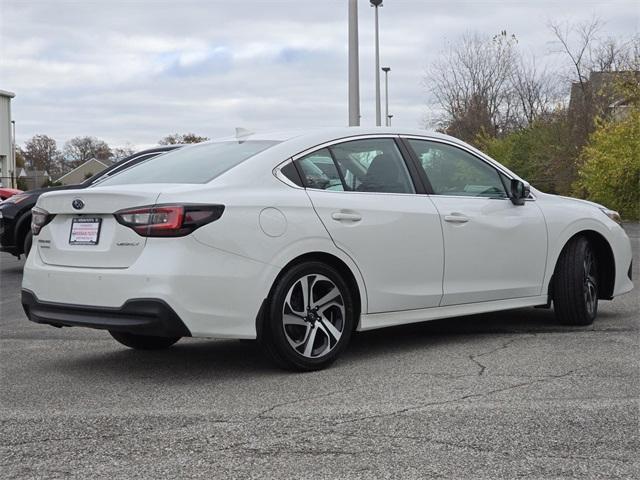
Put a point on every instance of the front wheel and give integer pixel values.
(143, 342)
(575, 286)
(310, 317)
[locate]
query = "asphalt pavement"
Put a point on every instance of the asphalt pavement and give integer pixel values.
(504, 395)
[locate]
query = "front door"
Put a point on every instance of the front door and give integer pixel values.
(494, 249)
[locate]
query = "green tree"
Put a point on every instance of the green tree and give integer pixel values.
(610, 165)
(538, 153)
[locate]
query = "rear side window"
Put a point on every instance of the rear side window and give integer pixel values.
(319, 171)
(195, 164)
(371, 165)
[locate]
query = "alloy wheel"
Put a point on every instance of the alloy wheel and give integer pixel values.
(313, 315)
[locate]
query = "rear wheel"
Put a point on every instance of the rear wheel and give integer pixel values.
(310, 317)
(143, 342)
(575, 287)
(28, 241)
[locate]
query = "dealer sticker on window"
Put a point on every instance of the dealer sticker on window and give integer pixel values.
(85, 231)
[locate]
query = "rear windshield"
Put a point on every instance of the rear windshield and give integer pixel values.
(194, 164)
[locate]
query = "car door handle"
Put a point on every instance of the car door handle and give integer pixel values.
(456, 218)
(346, 217)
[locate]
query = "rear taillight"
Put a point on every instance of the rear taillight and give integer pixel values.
(168, 220)
(39, 218)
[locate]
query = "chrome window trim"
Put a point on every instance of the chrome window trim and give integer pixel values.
(484, 158)
(280, 176)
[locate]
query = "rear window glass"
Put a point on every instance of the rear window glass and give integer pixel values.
(194, 164)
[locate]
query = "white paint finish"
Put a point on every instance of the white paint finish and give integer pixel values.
(493, 249)
(218, 295)
(118, 246)
(566, 217)
(390, 319)
(397, 244)
(217, 277)
(272, 222)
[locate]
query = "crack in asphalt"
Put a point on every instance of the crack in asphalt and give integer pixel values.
(464, 397)
(474, 357)
(262, 414)
(466, 446)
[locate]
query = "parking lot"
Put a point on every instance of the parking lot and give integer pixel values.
(507, 395)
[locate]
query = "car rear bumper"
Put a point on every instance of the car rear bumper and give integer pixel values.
(143, 316)
(213, 292)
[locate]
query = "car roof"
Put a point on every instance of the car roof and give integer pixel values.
(333, 133)
(297, 141)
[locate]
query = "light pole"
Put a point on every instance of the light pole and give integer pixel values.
(376, 4)
(13, 154)
(354, 67)
(387, 118)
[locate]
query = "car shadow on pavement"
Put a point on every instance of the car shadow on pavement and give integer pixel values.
(219, 359)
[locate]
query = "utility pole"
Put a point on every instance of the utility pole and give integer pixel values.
(387, 118)
(376, 4)
(354, 67)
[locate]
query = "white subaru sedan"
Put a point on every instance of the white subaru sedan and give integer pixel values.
(300, 238)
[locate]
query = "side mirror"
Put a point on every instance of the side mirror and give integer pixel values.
(519, 192)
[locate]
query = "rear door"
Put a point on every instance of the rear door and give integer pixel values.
(97, 239)
(494, 250)
(371, 209)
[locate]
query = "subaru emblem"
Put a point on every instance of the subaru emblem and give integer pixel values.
(77, 204)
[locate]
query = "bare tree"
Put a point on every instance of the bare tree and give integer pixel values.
(178, 138)
(122, 152)
(616, 55)
(41, 153)
(576, 41)
(80, 149)
(536, 90)
(471, 83)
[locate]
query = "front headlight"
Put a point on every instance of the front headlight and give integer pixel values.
(612, 214)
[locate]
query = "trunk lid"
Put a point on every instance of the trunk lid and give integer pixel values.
(116, 246)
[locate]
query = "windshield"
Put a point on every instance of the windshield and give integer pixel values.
(195, 164)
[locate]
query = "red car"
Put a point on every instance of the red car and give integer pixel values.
(8, 192)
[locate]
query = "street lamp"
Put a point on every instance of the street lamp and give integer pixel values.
(376, 4)
(387, 118)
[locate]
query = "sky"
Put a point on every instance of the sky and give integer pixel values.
(132, 71)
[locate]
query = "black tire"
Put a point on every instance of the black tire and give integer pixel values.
(575, 284)
(276, 337)
(143, 342)
(28, 241)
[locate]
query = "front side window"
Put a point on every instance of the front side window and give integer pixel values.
(452, 171)
(194, 164)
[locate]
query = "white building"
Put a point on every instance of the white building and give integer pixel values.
(7, 154)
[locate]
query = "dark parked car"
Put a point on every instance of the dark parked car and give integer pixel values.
(15, 212)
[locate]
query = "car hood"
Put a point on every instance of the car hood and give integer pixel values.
(567, 199)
